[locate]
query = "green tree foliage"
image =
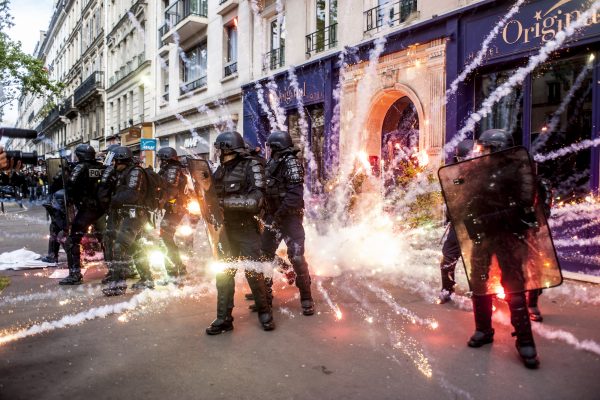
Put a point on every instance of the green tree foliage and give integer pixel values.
(21, 73)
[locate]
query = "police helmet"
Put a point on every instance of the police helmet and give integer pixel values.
(167, 153)
(112, 147)
(85, 152)
(464, 149)
(495, 140)
(122, 154)
(279, 140)
(230, 141)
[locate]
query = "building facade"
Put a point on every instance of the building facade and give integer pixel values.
(130, 47)
(203, 58)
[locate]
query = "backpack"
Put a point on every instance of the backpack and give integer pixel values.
(155, 191)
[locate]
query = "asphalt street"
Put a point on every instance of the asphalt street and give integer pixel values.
(398, 346)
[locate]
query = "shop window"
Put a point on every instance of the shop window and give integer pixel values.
(507, 113)
(561, 119)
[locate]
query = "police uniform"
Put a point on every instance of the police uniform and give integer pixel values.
(172, 173)
(239, 182)
(82, 190)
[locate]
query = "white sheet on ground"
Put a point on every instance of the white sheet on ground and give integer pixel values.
(63, 272)
(21, 259)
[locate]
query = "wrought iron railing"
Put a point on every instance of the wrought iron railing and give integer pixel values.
(389, 14)
(183, 9)
(275, 58)
(230, 69)
(198, 83)
(321, 40)
(93, 82)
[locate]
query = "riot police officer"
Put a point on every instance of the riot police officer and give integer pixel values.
(58, 225)
(285, 211)
(128, 202)
(450, 248)
(106, 189)
(172, 173)
(239, 183)
(81, 190)
(504, 241)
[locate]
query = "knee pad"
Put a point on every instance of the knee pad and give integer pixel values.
(516, 300)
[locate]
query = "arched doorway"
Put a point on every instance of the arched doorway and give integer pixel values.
(399, 139)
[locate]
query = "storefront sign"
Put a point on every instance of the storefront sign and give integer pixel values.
(148, 144)
(194, 144)
(311, 88)
(533, 26)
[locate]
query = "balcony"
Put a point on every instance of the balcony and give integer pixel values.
(89, 88)
(184, 19)
(197, 84)
(390, 15)
(274, 59)
(67, 108)
(230, 69)
(321, 40)
(227, 5)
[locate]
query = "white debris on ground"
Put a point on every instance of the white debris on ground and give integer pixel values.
(21, 259)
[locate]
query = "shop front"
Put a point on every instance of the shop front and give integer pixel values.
(556, 106)
(314, 88)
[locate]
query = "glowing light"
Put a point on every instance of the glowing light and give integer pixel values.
(194, 207)
(369, 320)
(123, 318)
(422, 158)
(493, 308)
(217, 267)
(592, 57)
(63, 302)
(501, 295)
(434, 325)
(156, 259)
(338, 313)
(544, 128)
(184, 230)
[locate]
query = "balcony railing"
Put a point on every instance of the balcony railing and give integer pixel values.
(198, 83)
(274, 59)
(230, 69)
(183, 9)
(321, 40)
(221, 2)
(389, 14)
(67, 108)
(94, 82)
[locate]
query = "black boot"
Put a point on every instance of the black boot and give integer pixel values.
(519, 317)
(257, 284)
(74, 277)
(225, 291)
(249, 296)
(115, 288)
(306, 301)
(447, 286)
(484, 333)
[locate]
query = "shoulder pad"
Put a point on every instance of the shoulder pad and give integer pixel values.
(78, 170)
(294, 171)
(258, 172)
(134, 178)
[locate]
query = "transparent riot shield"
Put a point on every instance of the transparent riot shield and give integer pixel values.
(503, 234)
(211, 211)
(53, 168)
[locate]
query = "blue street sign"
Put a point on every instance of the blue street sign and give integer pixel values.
(148, 144)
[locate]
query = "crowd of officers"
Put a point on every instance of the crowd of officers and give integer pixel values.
(262, 202)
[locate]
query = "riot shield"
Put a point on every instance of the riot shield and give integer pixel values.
(499, 221)
(53, 168)
(211, 211)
